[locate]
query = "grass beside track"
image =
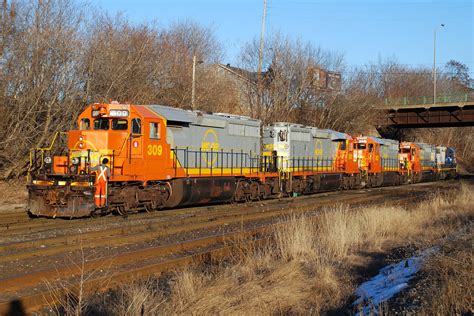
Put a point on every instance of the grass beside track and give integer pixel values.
(313, 265)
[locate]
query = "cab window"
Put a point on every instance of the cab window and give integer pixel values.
(342, 145)
(283, 136)
(361, 146)
(101, 124)
(119, 124)
(85, 124)
(371, 148)
(136, 126)
(155, 130)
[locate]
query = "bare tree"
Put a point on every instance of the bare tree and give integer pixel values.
(458, 75)
(121, 61)
(289, 92)
(38, 77)
(55, 59)
(178, 45)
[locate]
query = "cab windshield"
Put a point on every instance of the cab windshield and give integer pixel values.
(361, 146)
(116, 123)
(405, 150)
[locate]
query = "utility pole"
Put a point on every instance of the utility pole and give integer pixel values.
(260, 52)
(260, 60)
(193, 85)
(434, 65)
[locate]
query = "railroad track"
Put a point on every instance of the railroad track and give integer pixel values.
(119, 236)
(138, 232)
(138, 262)
(25, 227)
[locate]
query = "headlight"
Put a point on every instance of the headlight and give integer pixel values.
(75, 161)
(43, 182)
(48, 160)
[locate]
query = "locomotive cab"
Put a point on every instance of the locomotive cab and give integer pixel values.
(409, 158)
(445, 162)
(63, 185)
(377, 159)
(367, 154)
(111, 131)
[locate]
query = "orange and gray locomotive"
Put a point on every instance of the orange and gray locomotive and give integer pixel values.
(126, 158)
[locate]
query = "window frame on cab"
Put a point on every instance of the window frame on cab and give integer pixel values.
(156, 129)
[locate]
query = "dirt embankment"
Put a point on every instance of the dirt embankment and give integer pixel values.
(13, 196)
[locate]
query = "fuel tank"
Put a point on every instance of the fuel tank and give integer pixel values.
(427, 176)
(330, 182)
(192, 191)
(390, 178)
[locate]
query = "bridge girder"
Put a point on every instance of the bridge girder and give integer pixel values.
(438, 116)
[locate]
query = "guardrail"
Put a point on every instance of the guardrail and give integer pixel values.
(447, 98)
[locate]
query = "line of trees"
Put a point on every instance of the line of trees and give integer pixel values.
(56, 57)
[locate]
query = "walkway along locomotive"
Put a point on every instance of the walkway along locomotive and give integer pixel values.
(162, 157)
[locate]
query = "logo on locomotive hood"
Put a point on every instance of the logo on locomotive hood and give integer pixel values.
(318, 149)
(210, 144)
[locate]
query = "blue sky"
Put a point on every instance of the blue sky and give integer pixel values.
(363, 31)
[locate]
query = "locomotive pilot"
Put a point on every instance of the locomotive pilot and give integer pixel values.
(102, 172)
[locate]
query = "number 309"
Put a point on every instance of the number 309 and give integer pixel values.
(154, 150)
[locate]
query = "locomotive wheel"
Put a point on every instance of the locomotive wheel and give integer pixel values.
(121, 211)
(266, 190)
(239, 195)
(254, 191)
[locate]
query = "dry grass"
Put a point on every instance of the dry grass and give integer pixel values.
(138, 299)
(451, 273)
(307, 268)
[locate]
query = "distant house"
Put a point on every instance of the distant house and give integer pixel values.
(238, 81)
(320, 78)
(324, 80)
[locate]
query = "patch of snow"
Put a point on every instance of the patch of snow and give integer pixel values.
(390, 280)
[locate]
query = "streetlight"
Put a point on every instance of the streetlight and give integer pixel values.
(434, 65)
(193, 86)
